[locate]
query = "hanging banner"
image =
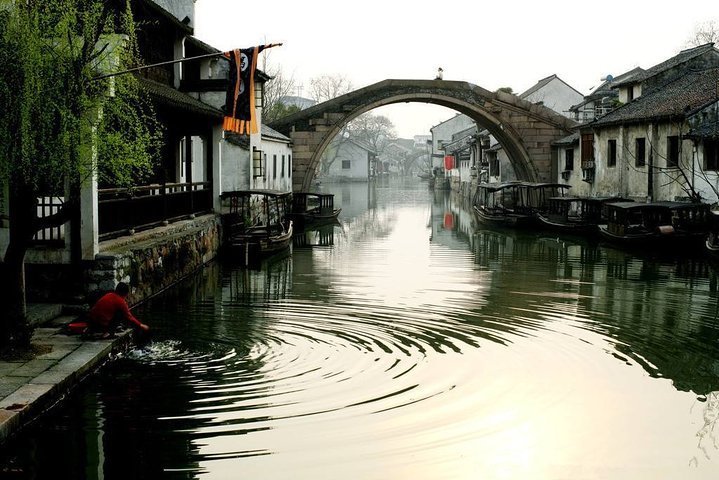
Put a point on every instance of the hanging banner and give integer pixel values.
(240, 98)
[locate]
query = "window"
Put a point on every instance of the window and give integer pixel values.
(569, 159)
(346, 164)
(494, 165)
(672, 151)
(264, 170)
(587, 148)
(611, 153)
(289, 166)
(274, 166)
(587, 152)
(283, 167)
(711, 155)
(640, 152)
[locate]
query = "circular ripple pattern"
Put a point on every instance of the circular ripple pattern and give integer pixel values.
(413, 345)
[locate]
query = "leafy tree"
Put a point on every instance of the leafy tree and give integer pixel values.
(52, 124)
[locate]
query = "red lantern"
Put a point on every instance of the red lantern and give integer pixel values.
(448, 162)
(448, 221)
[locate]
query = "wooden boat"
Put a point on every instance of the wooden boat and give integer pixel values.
(311, 208)
(656, 224)
(575, 215)
(256, 225)
(513, 204)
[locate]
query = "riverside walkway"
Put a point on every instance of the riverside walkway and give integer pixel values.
(30, 386)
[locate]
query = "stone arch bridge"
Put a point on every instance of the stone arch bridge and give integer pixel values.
(524, 129)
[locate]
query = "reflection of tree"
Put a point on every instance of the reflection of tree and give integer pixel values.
(708, 435)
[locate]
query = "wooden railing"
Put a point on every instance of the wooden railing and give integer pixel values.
(123, 211)
(55, 236)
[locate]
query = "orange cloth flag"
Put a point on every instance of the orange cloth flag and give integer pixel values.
(240, 114)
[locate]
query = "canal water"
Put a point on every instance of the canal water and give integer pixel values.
(406, 343)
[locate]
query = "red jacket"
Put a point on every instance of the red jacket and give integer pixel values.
(105, 309)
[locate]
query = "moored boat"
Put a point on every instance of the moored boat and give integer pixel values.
(575, 215)
(313, 208)
(256, 225)
(513, 204)
(656, 224)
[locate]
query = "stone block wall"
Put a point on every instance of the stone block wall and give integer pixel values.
(156, 260)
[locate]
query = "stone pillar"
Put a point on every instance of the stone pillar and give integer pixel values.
(89, 222)
(89, 207)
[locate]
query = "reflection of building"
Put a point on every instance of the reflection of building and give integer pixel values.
(272, 280)
(645, 306)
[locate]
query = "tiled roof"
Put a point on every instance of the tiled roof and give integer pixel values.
(167, 95)
(239, 140)
(705, 130)
(568, 140)
(537, 86)
(274, 134)
(678, 59)
(543, 82)
(677, 99)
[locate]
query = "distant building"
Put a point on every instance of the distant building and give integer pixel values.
(554, 93)
(348, 160)
(299, 102)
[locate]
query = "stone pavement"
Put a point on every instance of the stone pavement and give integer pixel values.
(29, 387)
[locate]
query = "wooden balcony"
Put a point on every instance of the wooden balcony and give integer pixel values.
(123, 211)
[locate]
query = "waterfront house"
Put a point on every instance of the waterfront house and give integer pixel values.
(661, 144)
(602, 99)
(396, 156)
(349, 160)
(442, 134)
(196, 164)
(464, 151)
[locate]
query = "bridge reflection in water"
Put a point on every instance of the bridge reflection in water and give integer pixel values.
(415, 346)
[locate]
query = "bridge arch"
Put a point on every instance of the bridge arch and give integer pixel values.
(524, 129)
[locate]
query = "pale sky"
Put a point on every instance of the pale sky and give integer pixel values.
(491, 44)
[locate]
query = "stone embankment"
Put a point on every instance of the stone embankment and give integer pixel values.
(150, 262)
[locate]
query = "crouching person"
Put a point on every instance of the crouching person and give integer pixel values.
(112, 311)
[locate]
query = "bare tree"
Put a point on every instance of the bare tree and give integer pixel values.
(322, 89)
(705, 32)
(327, 87)
(375, 130)
(279, 86)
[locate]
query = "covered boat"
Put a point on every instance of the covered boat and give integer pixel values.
(313, 208)
(656, 224)
(575, 215)
(256, 224)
